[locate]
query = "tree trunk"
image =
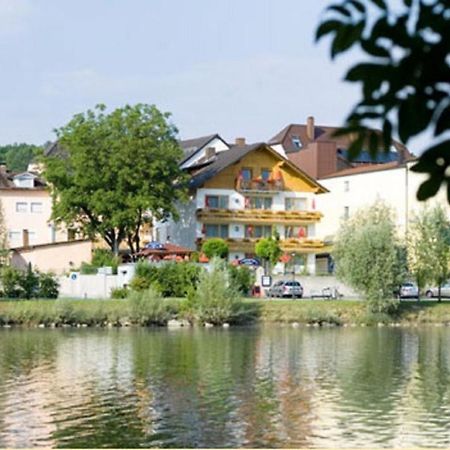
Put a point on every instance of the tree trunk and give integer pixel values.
(439, 291)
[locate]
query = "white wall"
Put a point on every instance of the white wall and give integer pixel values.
(396, 187)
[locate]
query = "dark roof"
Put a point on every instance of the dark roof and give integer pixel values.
(167, 249)
(323, 133)
(55, 149)
(202, 173)
(192, 146)
(364, 168)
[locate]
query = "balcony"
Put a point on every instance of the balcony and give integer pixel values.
(260, 186)
(257, 216)
(301, 245)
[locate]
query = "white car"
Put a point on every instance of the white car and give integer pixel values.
(434, 291)
(408, 290)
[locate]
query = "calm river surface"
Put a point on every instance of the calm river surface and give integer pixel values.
(244, 387)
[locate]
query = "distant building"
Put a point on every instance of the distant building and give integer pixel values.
(315, 150)
(27, 208)
(244, 194)
(198, 150)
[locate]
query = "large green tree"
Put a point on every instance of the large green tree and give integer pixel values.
(115, 171)
(428, 247)
(368, 254)
(405, 78)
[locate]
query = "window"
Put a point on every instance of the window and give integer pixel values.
(296, 142)
(216, 201)
(295, 232)
(246, 174)
(216, 231)
(258, 231)
(21, 207)
(265, 174)
(258, 202)
(14, 237)
(295, 204)
(346, 212)
(346, 186)
(36, 207)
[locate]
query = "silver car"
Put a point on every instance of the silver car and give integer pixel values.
(433, 292)
(408, 290)
(286, 288)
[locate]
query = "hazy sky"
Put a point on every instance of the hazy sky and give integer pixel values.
(237, 67)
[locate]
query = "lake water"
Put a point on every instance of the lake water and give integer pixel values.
(241, 387)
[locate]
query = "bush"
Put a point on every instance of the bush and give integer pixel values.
(48, 286)
(215, 247)
(148, 308)
(171, 279)
(29, 284)
(119, 293)
(101, 257)
(215, 300)
(242, 278)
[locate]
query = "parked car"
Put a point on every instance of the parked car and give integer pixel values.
(433, 292)
(286, 288)
(407, 290)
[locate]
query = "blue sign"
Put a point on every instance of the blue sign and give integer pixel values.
(154, 245)
(249, 262)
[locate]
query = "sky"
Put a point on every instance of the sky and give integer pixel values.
(240, 68)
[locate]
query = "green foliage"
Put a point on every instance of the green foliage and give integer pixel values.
(242, 278)
(11, 281)
(428, 246)
(367, 253)
(101, 258)
(113, 169)
(269, 249)
(215, 247)
(18, 156)
(215, 300)
(119, 293)
(404, 80)
(171, 279)
(148, 308)
(19, 284)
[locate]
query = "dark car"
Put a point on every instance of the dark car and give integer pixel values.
(286, 288)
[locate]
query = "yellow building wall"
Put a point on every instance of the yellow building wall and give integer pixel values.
(257, 160)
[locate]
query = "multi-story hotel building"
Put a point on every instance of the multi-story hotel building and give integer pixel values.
(246, 193)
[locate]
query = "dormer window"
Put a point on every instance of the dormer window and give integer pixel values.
(296, 142)
(24, 180)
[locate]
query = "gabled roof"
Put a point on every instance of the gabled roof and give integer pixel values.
(192, 146)
(201, 174)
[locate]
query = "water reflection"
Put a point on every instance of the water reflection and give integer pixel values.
(249, 387)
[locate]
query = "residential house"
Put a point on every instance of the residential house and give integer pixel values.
(316, 150)
(358, 187)
(244, 194)
(201, 149)
(27, 207)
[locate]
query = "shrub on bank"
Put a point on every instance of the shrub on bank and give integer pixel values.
(242, 278)
(28, 284)
(171, 279)
(215, 299)
(148, 308)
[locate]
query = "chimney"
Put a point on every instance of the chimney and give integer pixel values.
(210, 152)
(240, 141)
(25, 238)
(310, 128)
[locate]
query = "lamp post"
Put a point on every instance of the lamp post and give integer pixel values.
(293, 266)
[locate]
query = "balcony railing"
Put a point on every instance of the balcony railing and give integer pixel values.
(300, 245)
(259, 185)
(265, 216)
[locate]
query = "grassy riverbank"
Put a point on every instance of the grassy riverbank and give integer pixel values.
(120, 312)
